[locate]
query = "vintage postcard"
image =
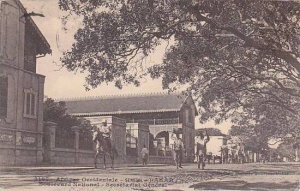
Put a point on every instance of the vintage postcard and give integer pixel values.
(149, 95)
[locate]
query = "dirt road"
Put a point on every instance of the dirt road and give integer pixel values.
(283, 176)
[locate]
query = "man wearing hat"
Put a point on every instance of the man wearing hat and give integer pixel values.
(178, 148)
(105, 130)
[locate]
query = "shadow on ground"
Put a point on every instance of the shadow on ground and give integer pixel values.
(243, 185)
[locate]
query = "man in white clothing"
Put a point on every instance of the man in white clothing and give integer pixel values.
(105, 131)
(178, 148)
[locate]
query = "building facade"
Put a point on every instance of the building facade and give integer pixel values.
(161, 112)
(21, 88)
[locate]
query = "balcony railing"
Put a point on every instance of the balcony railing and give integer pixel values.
(155, 121)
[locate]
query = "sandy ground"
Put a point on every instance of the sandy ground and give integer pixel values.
(270, 176)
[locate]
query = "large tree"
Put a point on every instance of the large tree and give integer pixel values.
(235, 56)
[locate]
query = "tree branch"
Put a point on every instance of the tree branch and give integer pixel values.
(249, 42)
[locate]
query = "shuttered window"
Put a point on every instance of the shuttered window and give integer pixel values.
(3, 96)
(30, 103)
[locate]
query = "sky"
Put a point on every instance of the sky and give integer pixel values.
(61, 83)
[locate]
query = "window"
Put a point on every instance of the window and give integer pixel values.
(29, 50)
(30, 103)
(131, 143)
(3, 96)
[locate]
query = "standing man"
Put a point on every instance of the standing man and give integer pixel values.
(178, 149)
(224, 154)
(145, 154)
(105, 130)
(201, 149)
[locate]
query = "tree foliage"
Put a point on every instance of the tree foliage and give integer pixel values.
(239, 58)
(286, 150)
(251, 137)
(57, 112)
(264, 125)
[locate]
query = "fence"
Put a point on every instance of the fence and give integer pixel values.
(85, 140)
(64, 138)
(67, 146)
(74, 146)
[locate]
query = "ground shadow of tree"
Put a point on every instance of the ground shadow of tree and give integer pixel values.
(243, 185)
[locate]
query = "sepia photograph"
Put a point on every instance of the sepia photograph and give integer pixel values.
(149, 95)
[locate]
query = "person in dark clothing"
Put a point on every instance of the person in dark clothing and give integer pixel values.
(201, 149)
(145, 154)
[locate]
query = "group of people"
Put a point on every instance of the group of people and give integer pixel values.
(200, 149)
(238, 155)
(178, 146)
(235, 154)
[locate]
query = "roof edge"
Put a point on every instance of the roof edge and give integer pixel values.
(121, 112)
(190, 96)
(91, 98)
(40, 34)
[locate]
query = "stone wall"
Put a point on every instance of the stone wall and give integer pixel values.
(76, 156)
(64, 156)
(20, 135)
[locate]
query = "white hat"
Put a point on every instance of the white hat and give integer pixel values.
(103, 121)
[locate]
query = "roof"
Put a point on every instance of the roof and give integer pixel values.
(138, 103)
(43, 45)
(210, 132)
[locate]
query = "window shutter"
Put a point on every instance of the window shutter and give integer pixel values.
(3, 96)
(32, 105)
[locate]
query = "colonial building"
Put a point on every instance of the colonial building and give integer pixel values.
(21, 88)
(161, 112)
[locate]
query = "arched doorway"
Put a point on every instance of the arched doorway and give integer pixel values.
(163, 142)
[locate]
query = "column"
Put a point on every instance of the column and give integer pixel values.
(76, 142)
(40, 121)
(49, 141)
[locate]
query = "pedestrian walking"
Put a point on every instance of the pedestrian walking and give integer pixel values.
(145, 154)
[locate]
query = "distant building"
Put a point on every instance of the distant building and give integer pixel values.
(217, 140)
(21, 88)
(162, 112)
